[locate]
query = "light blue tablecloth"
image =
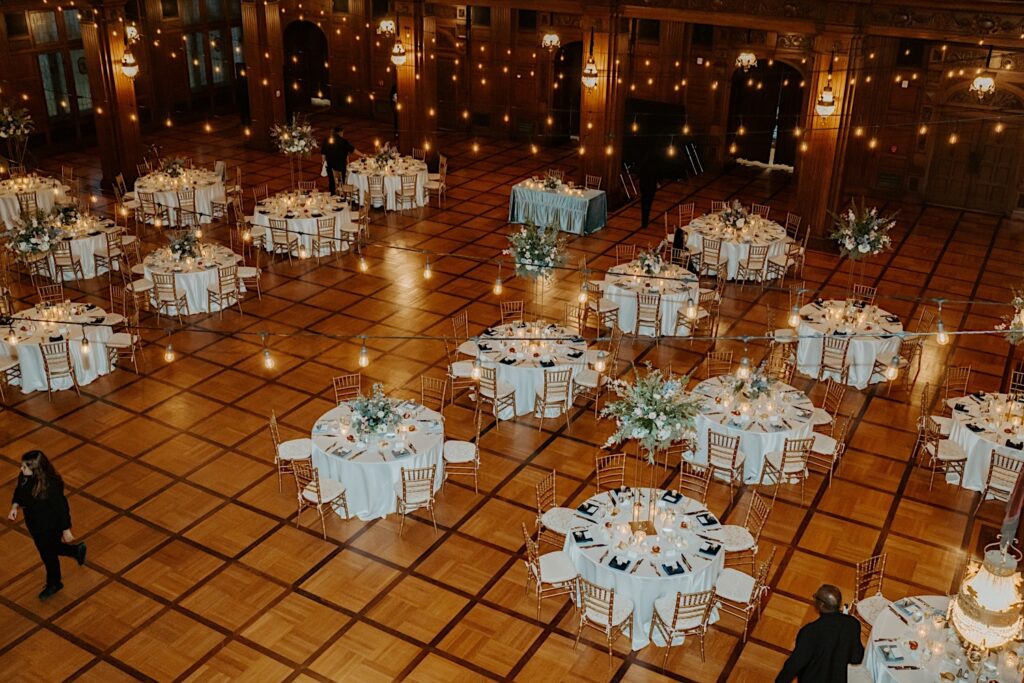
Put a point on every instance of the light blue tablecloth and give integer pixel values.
(579, 214)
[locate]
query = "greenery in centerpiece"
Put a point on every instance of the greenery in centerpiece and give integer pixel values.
(536, 250)
(374, 414)
(552, 181)
(734, 215)
(173, 168)
(67, 215)
(758, 384)
(653, 411)
(16, 125)
(294, 139)
(33, 232)
(185, 245)
(386, 155)
(1013, 325)
(650, 261)
(861, 232)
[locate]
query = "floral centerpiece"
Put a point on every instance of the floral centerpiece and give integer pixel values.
(386, 155)
(552, 181)
(650, 261)
(15, 126)
(653, 411)
(67, 215)
(536, 250)
(185, 246)
(1013, 325)
(757, 384)
(734, 215)
(295, 139)
(173, 168)
(861, 231)
(374, 414)
(34, 233)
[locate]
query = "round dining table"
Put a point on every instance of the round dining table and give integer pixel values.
(369, 467)
(676, 285)
(521, 352)
(874, 335)
(912, 642)
(984, 424)
(209, 187)
(87, 236)
(48, 192)
(360, 170)
(31, 328)
(736, 243)
(302, 211)
(670, 554)
(192, 275)
(763, 424)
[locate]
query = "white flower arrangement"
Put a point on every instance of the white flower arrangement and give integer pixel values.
(185, 246)
(15, 122)
(861, 232)
(374, 414)
(650, 261)
(34, 233)
(1013, 325)
(653, 411)
(758, 384)
(734, 215)
(173, 168)
(67, 214)
(295, 139)
(386, 155)
(552, 182)
(536, 250)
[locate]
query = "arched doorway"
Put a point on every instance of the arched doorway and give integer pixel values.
(305, 67)
(766, 101)
(567, 69)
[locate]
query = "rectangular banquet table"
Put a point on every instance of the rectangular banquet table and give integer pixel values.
(579, 210)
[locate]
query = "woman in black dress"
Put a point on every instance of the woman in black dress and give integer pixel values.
(40, 494)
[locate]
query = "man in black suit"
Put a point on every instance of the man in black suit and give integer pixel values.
(827, 645)
(336, 150)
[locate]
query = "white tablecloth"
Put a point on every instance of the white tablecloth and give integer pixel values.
(893, 632)
(736, 243)
(978, 411)
(370, 473)
(31, 335)
(577, 210)
(676, 286)
(821, 318)
(89, 236)
(48, 192)
(302, 211)
(208, 185)
(192, 280)
(759, 435)
(524, 371)
(358, 172)
(604, 540)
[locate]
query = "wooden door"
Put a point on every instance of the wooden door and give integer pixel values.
(949, 178)
(979, 171)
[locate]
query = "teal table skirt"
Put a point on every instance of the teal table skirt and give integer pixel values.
(577, 211)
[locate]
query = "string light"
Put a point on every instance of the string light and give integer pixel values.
(427, 271)
(85, 345)
(941, 337)
(498, 288)
(794, 317)
(363, 265)
(893, 371)
(364, 355)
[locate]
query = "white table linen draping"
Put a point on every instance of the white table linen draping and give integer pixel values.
(938, 647)
(208, 185)
(575, 209)
(87, 236)
(609, 543)
(525, 347)
(79, 321)
(761, 431)
(193, 276)
(48, 191)
(736, 243)
(360, 170)
(874, 337)
(301, 211)
(368, 472)
(676, 285)
(989, 432)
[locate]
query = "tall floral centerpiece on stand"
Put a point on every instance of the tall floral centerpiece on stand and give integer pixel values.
(734, 215)
(374, 414)
(861, 232)
(34, 233)
(173, 168)
(536, 251)
(295, 141)
(650, 261)
(1013, 325)
(15, 126)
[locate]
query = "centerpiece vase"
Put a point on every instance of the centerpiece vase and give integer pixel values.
(291, 170)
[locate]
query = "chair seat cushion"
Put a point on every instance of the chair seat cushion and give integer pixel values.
(329, 490)
(603, 305)
(665, 606)
(734, 538)
(462, 369)
(870, 607)
(824, 444)
(949, 451)
(589, 378)
(556, 567)
(791, 467)
(735, 585)
(468, 348)
(248, 272)
(558, 519)
(112, 319)
(459, 451)
(621, 610)
(121, 340)
(416, 497)
(295, 449)
(142, 285)
(820, 417)
(945, 423)
(504, 389)
(138, 269)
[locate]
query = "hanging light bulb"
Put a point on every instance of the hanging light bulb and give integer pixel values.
(85, 345)
(427, 271)
(589, 77)
(582, 296)
(941, 337)
(169, 353)
(12, 338)
(364, 355)
(268, 360)
(386, 27)
(826, 104)
(498, 288)
(743, 371)
(600, 363)
(794, 317)
(475, 372)
(691, 311)
(199, 233)
(303, 254)
(363, 265)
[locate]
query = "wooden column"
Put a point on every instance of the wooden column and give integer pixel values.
(603, 108)
(822, 152)
(417, 78)
(263, 47)
(113, 93)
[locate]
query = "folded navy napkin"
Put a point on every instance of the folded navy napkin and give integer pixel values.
(57, 338)
(508, 361)
(574, 354)
(616, 563)
(707, 519)
(961, 407)
(1019, 445)
(975, 428)
(892, 318)
(587, 508)
(484, 347)
(582, 536)
(547, 363)
(670, 497)
(577, 340)
(673, 569)
(710, 549)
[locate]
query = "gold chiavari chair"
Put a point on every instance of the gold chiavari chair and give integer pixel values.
(186, 215)
(592, 182)
(17, 171)
(865, 294)
(555, 394)
(777, 266)
(414, 492)
(418, 153)
(682, 615)
(907, 364)
(610, 472)
(826, 413)
(512, 311)
(407, 193)
(575, 318)
(326, 237)
(648, 314)
(126, 344)
(376, 187)
(868, 601)
(153, 213)
(1003, 473)
(754, 265)
(287, 453)
(779, 364)
(603, 611)
(500, 395)
(792, 225)
(556, 173)
(282, 240)
(954, 385)
(112, 254)
(553, 520)
(460, 330)
(827, 450)
(433, 392)
(50, 295)
(320, 493)
(591, 383)
(1017, 382)
(462, 458)
(224, 292)
(761, 210)
(27, 202)
(943, 453)
(725, 457)
(741, 595)
(306, 185)
(604, 311)
(717, 363)
(787, 466)
(347, 387)
(710, 256)
(437, 183)
(740, 542)
(834, 351)
(168, 299)
(717, 206)
(10, 370)
(57, 364)
(249, 276)
(694, 481)
(685, 213)
(624, 253)
(461, 373)
(65, 261)
(143, 168)
(552, 574)
(260, 193)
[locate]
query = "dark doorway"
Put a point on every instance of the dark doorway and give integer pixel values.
(766, 102)
(305, 67)
(654, 128)
(979, 171)
(567, 69)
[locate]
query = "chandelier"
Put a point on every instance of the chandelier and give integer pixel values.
(984, 84)
(589, 77)
(129, 65)
(387, 27)
(550, 41)
(826, 103)
(746, 60)
(398, 53)
(988, 611)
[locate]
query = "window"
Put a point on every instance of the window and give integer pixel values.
(195, 51)
(55, 87)
(527, 19)
(215, 10)
(72, 27)
(648, 30)
(190, 12)
(43, 26)
(481, 16)
(17, 24)
(341, 6)
(219, 59)
(236, 44)
(81, 76)
(169, 8)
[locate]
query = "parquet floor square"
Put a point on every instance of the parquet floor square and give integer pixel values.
(197, 570)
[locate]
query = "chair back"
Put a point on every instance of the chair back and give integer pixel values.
(722, 449)
(717, 206)
(532, 554)
(869, 576)
(1003, 473)
(556, 173)
(957, 379)
(27, 202)
(711, 252)
(761, 210)
(592, 182)
(376, 185)
(757, 514)
(57, 358)
(62, 255)
(165, 287)
(794, 454)
(260, 192)
(792, 225)
(691, 611)
(865, 293)
(546, 496)
(418, 153)
(598, 603)
(115, 242)
(834, 393)
(347, 387)
(325, 228)
(757, 257)
(685, 212)
(187, 199)
(306, 185)
(306, 478)
(624, 253)
(489, 381)
(227, 279)
(556, 385)
(512, 311)
(17, 170)
(648, 309)
(460, 326)
(694, 481)
(610, 471)
(50, 295)
(433, 391)
(834, 349)
(1017, 382)
(575, 317)
(418, 483)
(408, 185)
(717, 363)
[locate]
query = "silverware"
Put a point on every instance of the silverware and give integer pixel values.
(604, 556)
(655, 567)
(901, 617)
(636, 565)
(686, 563)
(593, 545)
